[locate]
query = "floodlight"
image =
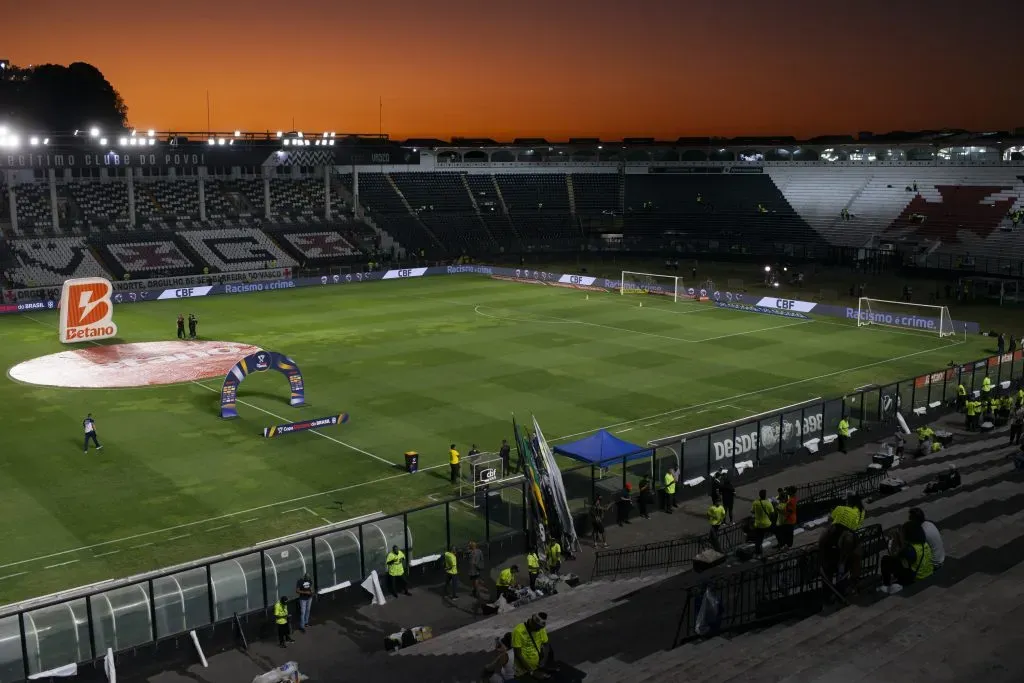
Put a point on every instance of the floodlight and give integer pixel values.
(333, 133)
(279, 133)
(103, 141)
(94, 132)
(286, 143)
(300, 133)
(132, 132)
(767, 269)
(211, 141)
(46, 141)
(307, 143)
(331, 143)
(776, 285)
(220, 141)
(231, 142)
(3, 130)
(238, 133)
(317, 143)
(123, 142)
(325, 135)
(33, 141)
(132, 142)
(151, 133)
(152, 142)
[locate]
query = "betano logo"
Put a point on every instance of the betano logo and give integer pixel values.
(86, 313)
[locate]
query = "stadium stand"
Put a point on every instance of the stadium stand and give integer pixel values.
(389, 209)
(32, 203)
(538, 206)
(223, 200)
(597, 193)
(98, 204)
(492, 210)
(322, 246)
(145, 258)
(164, 202)
(292, 199)
(230, 249)
(49, 261)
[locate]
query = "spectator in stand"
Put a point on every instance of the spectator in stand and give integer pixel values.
(763, 512)
(931, 535)
(643, 496)
(910, 560)
(785, 511)
(949, 479)
(623, 505)
(597, 511)
(502, 668)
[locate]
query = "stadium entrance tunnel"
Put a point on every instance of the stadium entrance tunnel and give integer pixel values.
(132, 365)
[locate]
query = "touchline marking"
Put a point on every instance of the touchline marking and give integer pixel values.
(11, 576)
(217, 528)
(109, 552)
(61, 564)
(756, 392)
(315, 431)
(141, 545)
(178, 537)
(742, 410)
(326, 521)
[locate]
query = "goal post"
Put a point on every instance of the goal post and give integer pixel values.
(633, 282)
(905, 315)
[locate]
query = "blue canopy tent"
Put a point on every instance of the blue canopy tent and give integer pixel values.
(602, 449)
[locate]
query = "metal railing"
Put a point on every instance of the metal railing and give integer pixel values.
(777, 589)
(813, 500)
(77, 627)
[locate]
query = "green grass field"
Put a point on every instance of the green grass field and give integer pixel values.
(418, 364)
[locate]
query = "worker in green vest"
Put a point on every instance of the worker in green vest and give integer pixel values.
(554, 555)
(1020, 397)
(911, 562)
(395, 562)
(670, 491)
(451, 572)
(281, 619)
(533, 567)
(763, 511)
(986, 386)
(961, 396)
(716, 516)
(508, 580)
(973, 410)
(844, 433)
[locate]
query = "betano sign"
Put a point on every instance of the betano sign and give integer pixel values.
(86, 311)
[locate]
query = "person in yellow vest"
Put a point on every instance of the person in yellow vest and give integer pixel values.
(395, 562)
(451, 572)
(284, 635)
(986, 386)
(844, 433)
(971, 410)
(670, 491)
(530, 647)
(763, 511)
(910, 562)
(840, 544)
(961, 396)
(554, 555)
(453, 463)
(508, 580)
(533, 567)
(1020, 398)
(716, 515)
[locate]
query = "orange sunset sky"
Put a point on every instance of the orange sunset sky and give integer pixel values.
(502, 69)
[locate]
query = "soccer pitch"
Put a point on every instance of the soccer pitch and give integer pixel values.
(418, 364)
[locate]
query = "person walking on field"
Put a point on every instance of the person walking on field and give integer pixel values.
(89, 425)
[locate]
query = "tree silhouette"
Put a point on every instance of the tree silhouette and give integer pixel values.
(51, 98)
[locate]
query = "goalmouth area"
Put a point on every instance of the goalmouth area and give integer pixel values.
(418, 363)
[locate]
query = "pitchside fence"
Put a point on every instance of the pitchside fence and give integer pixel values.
(78, 626)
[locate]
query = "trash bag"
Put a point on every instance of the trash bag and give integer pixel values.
(709, 616)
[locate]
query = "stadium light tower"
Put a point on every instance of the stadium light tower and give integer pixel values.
(94, 132)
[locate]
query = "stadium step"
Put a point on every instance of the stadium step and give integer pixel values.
(564, 608)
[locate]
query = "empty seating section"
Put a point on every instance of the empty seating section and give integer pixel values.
(596, 193)
(742, 208)
(223, 200)
(98, 203)
(459, 233)
(164, 200)
(49, 261)
(820, 197)
(32, 203)
(230, 249)
(378, 196)
(292, 198)
(148, 258)
(322, 246)
(434, 192)
(534, 192)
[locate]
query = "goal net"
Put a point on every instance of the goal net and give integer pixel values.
(905, 315)
(650, 283)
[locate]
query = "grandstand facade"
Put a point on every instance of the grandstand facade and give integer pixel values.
(180, 207)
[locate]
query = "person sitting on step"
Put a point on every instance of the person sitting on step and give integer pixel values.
(910, 560)
(947, 480)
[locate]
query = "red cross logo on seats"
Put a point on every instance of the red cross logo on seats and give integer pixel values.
(321, 244)
(149, 256)
(974, 208)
